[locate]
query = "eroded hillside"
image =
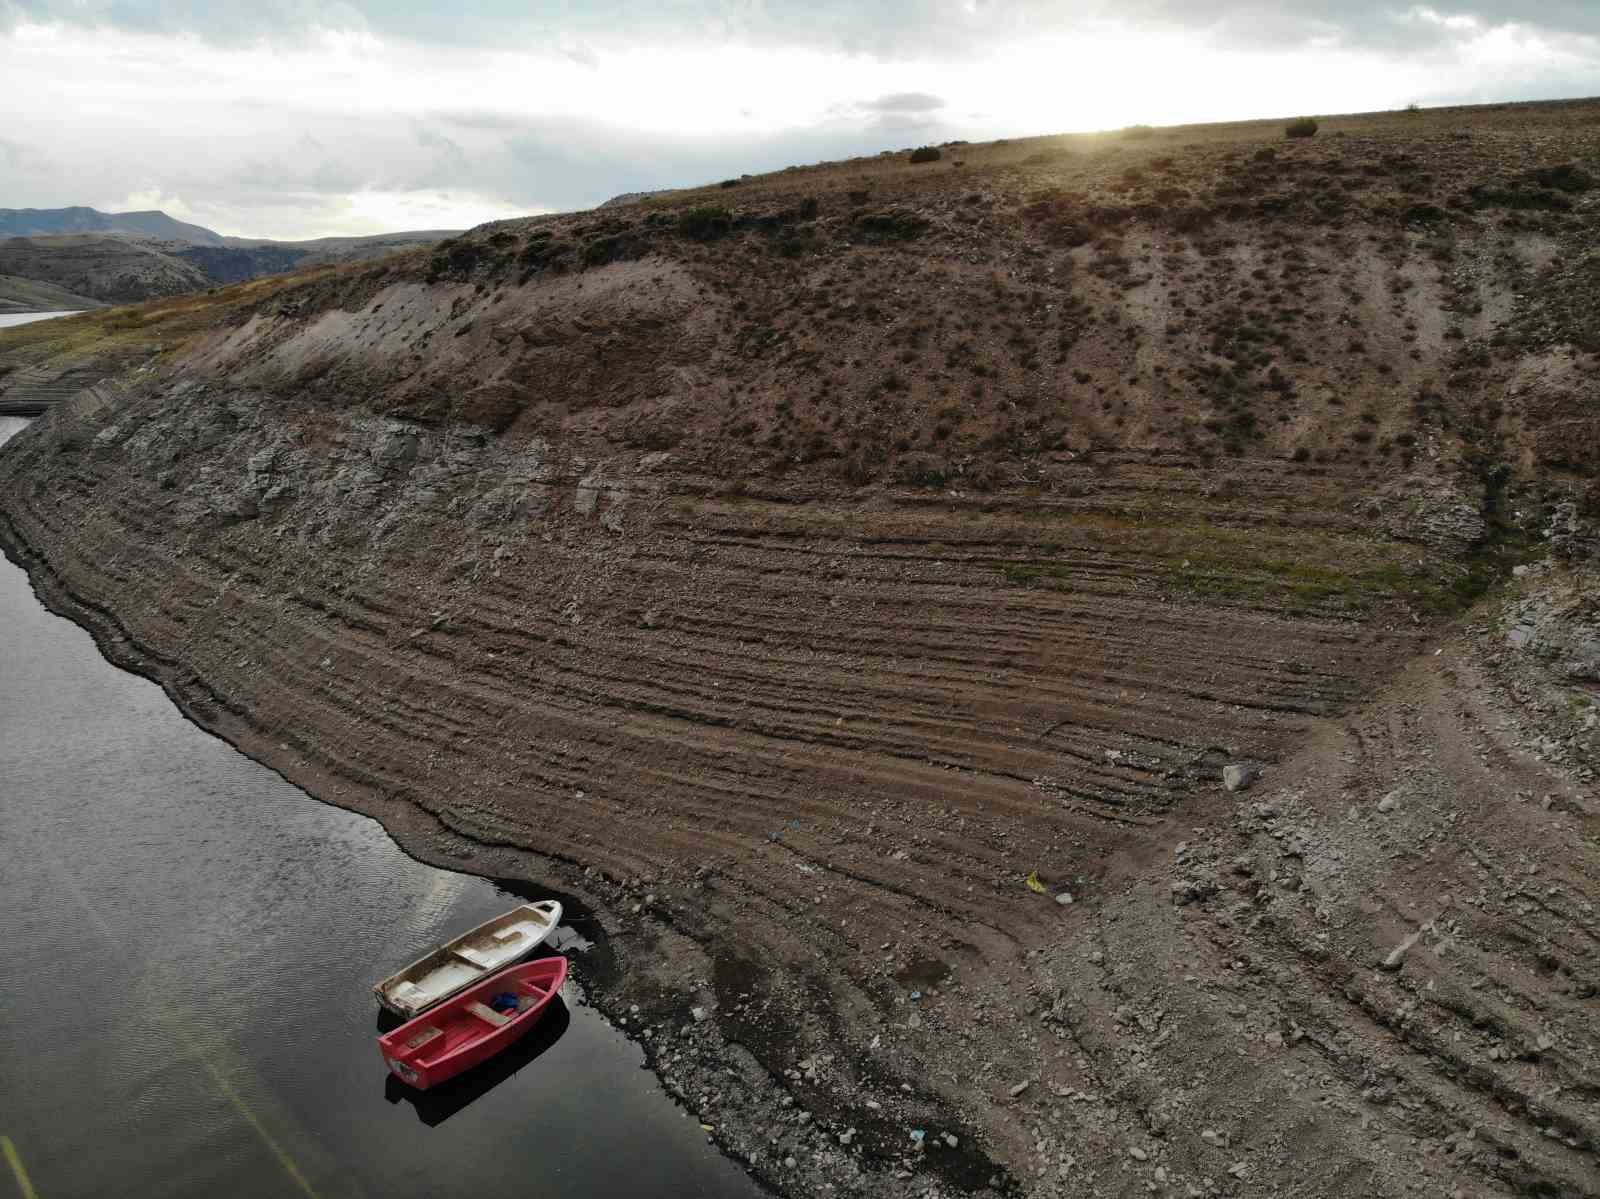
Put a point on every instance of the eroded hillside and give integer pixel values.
(796, 567)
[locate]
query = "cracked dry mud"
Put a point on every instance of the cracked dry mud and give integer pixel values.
(793, 589)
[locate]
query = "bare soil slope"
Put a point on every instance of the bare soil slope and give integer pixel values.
(798, 569)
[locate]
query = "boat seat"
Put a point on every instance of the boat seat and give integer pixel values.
(473, 958)
(422, 1036)
(484, 1011)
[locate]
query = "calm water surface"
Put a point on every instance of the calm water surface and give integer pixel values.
(187, 944)
(7, 319)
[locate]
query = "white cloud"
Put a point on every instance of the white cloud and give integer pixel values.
(376, 211)
(355, 131)
(149, 199)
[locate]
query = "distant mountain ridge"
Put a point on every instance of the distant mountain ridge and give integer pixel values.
(125, 257)
(45, 222)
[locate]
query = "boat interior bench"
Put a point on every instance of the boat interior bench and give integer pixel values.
(422, 1036)
(484, 1012)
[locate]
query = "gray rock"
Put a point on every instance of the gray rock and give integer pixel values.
(396, 445)
(1020, 1088)
(1433, 510)
(1238, 776)
(587, 494)
(1571, 536)
(1192, 890)
(1397, 955)
(1557, 627)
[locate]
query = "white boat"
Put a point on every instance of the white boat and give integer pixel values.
(471, 957)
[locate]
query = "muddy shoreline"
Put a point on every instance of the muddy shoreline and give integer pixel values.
(686, 1051)
(1223, 994)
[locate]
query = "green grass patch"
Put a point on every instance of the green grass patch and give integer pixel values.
(1143, 551)
(1353, 578)
(108, 334)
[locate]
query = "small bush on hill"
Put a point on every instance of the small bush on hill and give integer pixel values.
(1566, 177)
(897, 223)
(926, 154)
(1422, 214)
(706, 221)
(921, 470)
(610, 249)
(1304, 127)
(1520, 197)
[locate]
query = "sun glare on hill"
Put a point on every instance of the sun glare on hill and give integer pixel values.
(377, 211)
(361, 132)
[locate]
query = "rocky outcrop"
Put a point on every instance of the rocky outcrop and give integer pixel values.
(1560, 626)
(1437, 510)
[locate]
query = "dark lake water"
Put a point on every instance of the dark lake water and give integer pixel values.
(187, 946)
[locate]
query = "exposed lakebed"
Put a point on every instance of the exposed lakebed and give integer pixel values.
(186, 953)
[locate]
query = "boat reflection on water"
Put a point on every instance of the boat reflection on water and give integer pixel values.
(438, 1104)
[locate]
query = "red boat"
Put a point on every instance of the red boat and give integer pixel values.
(473, 1026)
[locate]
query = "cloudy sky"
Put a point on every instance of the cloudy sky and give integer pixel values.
(300, 118)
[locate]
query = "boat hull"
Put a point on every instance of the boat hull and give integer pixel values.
(469, 958)
(465, 1030)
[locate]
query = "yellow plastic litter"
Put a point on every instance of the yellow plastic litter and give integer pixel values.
(1033, 882)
